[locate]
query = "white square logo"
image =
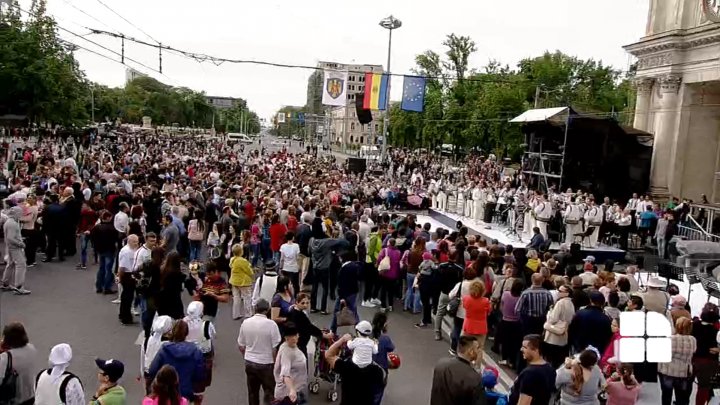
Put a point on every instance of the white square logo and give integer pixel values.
(644, 336)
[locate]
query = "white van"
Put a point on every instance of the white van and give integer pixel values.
(242, 138)
(369, 152)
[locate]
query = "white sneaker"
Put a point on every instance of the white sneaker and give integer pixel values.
(116, 301)
(21, 291)
(368, 304)
(375, 301)
(135, 312)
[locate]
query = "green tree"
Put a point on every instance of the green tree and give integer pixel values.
(471, 109)
(39, 76)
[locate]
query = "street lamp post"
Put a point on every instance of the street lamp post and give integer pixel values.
(92, 103)
(389, 23)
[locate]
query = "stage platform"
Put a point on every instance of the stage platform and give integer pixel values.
(501, 234)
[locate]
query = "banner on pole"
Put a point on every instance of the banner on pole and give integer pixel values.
(335, 88)
(281, 118)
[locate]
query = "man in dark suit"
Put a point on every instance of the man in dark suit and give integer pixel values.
(537, 240)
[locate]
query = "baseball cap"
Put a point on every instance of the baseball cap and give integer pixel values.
(364, 328)
(489, 377)
(113, 369)
(270, 265)
(427, 256)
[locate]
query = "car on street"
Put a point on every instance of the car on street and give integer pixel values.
(242, 138)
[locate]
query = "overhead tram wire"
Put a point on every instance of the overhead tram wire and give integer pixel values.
(96, 44)
(200, 57)
(69, 3)
(127, 21)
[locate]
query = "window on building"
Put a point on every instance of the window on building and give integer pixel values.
(361, 88)
(361, 139)
(352, 126)
(376, 127)
(351, 138)
(362, 78)
(351, 97)
(352, 78)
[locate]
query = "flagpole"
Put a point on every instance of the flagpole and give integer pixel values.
(390, 23)
(346, 121)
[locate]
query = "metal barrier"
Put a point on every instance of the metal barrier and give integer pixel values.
(692, 230)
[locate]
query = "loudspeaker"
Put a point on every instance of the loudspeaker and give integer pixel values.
(364, 116)
(356, 165)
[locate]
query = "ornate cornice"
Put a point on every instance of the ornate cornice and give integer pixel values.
(670, 83)
(652, 61)
(677, 43)
(644, 84)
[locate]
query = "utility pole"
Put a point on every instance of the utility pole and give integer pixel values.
(92, 103)
(537, 96)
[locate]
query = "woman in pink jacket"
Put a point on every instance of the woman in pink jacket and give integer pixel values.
(388, 278)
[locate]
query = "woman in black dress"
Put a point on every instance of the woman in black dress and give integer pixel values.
(169, 300)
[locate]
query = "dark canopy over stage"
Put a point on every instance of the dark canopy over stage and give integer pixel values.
(591, 152)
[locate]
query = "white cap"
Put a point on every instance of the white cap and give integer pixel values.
(364, 328)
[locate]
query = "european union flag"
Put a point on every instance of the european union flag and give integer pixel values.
(413, 98)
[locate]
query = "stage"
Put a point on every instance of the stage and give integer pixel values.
(500, 233)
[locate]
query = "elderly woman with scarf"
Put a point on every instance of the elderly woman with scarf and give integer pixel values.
(56, 385)
(161, 327)
(202, 333)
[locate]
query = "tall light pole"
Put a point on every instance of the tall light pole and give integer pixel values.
(92, 103)
(389, 23)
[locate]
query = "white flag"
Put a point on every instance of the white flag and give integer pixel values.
(281, 118)
(335, 88)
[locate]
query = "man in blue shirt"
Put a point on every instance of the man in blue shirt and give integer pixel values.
(647, 219)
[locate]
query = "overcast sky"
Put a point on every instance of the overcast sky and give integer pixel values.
(304, 32)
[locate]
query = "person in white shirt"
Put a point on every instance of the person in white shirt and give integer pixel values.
(257, 340)
(363, 346)
(49, 382)
(289, 255)
(593, 218)
(142, 255)
(624, 222)
(126, 270)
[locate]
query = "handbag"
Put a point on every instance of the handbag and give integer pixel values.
(384, 265)
(8, 386)
(345, 317)
(559, 328)
(454, 303)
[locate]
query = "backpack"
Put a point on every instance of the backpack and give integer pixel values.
(205, 343)
(496, 398)
(8, 386)
(68, 376)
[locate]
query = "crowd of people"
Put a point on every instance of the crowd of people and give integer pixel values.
(272, 235)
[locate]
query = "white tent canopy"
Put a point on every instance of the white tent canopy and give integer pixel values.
(544, 114)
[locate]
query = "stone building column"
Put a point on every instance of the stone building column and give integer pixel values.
(644, 88)
(664, 137)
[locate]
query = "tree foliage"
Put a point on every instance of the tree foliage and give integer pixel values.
(38, 73)
(472, 109)
(41, 79)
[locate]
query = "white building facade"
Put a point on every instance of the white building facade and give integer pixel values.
(678, 96)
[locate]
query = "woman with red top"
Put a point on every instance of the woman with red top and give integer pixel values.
(444, 250)
(477, 308)
(292, 222)
(88, 217)
(277, 236)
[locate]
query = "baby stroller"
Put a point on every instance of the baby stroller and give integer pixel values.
(323, 372)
